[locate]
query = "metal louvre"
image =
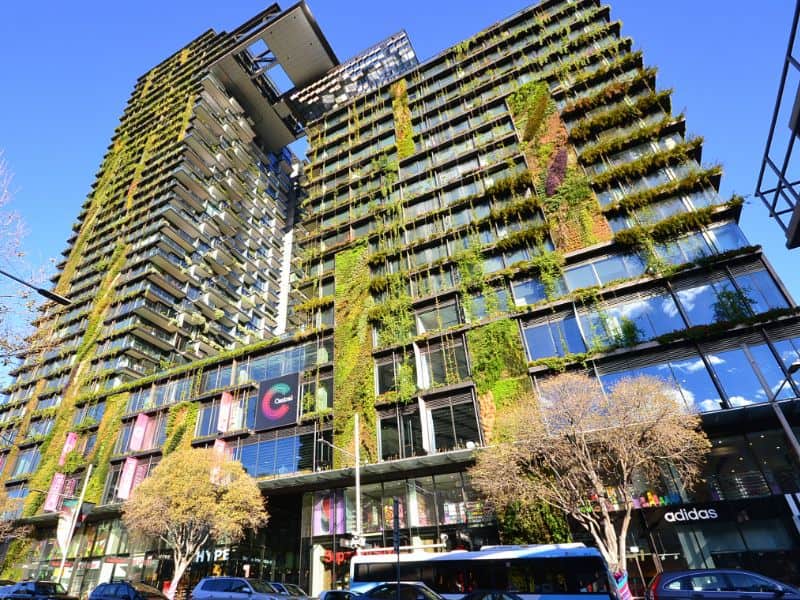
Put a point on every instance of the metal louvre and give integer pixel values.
(658, 356)
(460, 398)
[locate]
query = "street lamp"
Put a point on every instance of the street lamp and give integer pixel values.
(787, 429)
(41, 291)
(357, 541)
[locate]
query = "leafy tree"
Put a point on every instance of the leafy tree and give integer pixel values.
(192, 497)
(579, 451)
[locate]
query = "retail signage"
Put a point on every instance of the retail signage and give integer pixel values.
(54, 493)
(126, 478)
(139, 429)
(277, 402)
(69, 446)
(215, 555)
(225, 411)
(691, 514)
(328, 513)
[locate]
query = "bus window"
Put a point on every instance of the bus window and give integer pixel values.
(518, 577)
(586, 575)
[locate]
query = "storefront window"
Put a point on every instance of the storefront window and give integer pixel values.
(732, 472)
(371, 508)
(392, 490)
(421, 502)
(450, 499)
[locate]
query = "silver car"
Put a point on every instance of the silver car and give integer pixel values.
(234, 588)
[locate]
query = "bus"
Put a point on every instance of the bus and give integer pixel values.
(536, 572)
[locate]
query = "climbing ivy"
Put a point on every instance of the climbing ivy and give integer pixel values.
(107, 434)
(352, 353)
(181, 422)
(403, 130)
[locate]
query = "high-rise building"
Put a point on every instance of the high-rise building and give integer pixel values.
(521, 203)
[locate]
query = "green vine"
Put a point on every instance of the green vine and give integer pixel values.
(181, 423)
(498, 358)
(353, 368)
(107, 434)
(403, 130)
(14, 557)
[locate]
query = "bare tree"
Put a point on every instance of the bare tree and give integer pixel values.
(579, 450)
(192, 497)
(17, 303)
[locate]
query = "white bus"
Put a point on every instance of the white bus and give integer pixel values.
(540, 572)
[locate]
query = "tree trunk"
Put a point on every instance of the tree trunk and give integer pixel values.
(180, 569)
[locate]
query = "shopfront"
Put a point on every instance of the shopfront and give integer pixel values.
(435, 512)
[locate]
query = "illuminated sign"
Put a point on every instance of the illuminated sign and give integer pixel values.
(691, 514)
(278, 402)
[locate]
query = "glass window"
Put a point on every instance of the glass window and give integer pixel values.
(770, 370)
(728, 237)
(529, 291)
(421, 502)
(739, 380)
(454, 426)
(449, 499)
(699, 301)
(580, 277)
(556, 337)
(761, 288)
(443, 364)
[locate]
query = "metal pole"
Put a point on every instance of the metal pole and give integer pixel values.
(73, 521)
(357, 437)
(41, 291)
(787, 429)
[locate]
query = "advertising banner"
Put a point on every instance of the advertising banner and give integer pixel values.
(224, 418)
(329, 514)
(69, 446)
(64, 527)
(126, 478)
(278, 402)
(139, 429)
(54, 493)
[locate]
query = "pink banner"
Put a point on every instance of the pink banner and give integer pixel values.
(126, 478)
(139, 429)
(54, 493)
(139, 474)
(225, 406)
(221, 447)
(69, 446)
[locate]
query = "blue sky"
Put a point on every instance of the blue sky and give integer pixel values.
(68, 68)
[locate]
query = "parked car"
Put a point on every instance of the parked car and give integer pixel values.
(35, 590)
(408, 591)
(718, 584)
(5, 582)
(234, 588)
(289, 589)
(339, 595)
(126, 590)
(491, 595)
